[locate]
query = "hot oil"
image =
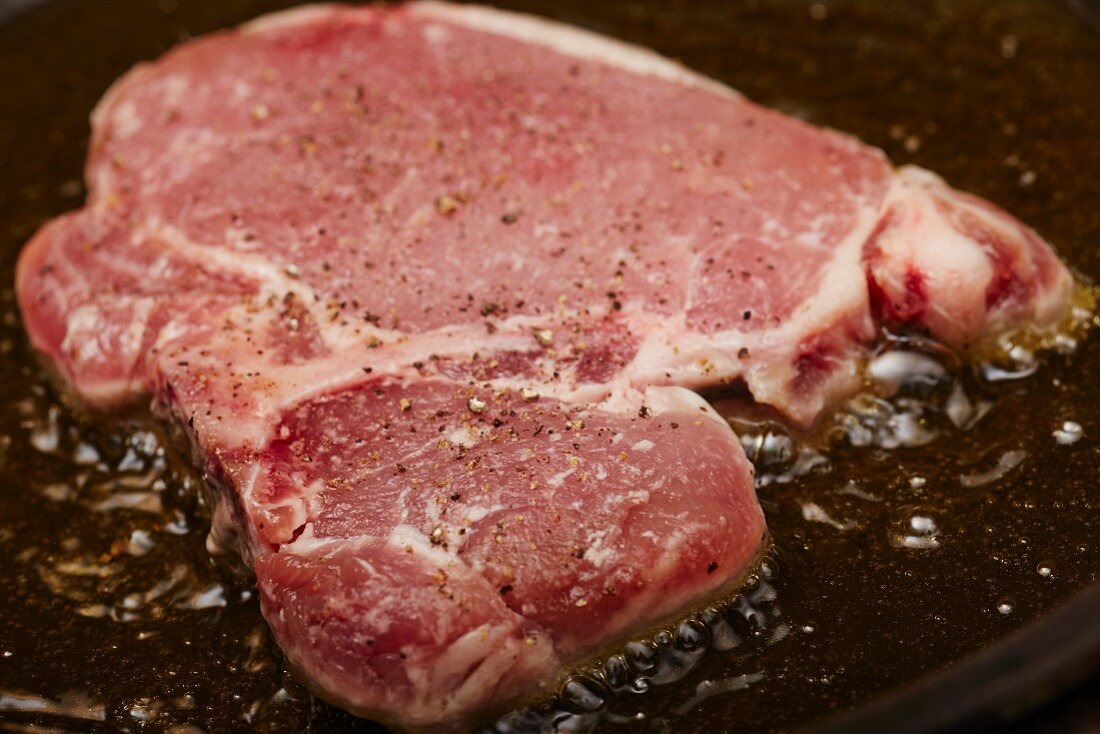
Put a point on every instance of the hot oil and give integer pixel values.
(944, 513)
(606, 692)
(917, 394)
(113, 611)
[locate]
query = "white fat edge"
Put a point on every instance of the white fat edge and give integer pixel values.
(930, 240)
(86, 324)
(107, 393)
(246, 491)
(644, 445)
(458, 341)
(659, 399)
(670, 353)
(672, 399)
(570, 41)
(272, 279)
(701, 360)
(514, 333)
(299, 16)
(622, 398)
(917, 177)
(842, 291)
(288, 386)
(836, 295)
(346, 361)
(297, 384)
(1049, 307)
(936, 248)
(68, 298)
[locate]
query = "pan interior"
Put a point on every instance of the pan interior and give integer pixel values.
(891, 563)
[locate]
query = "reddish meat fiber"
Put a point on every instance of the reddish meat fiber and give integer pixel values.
(428, 288)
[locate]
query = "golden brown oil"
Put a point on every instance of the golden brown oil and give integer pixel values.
(890, 563)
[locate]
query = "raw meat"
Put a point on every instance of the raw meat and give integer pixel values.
(427, 288)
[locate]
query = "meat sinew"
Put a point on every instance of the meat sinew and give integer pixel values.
(427, 288)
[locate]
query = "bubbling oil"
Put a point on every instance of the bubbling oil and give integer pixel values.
(892, 568)
(135, 508)
(612, 691)
(120, 550)
(917, 392)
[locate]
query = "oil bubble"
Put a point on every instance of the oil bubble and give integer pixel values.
(582, 695)
(915, 528)
(641, 657)
(1069, 433)
(616, 672)
(692, 635)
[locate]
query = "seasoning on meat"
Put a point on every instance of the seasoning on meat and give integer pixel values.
(435, 536)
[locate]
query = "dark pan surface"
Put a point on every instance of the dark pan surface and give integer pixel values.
(114, 616)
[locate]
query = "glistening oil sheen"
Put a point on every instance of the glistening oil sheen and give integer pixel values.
(907, 543)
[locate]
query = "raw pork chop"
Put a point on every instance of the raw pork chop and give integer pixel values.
(425, 286)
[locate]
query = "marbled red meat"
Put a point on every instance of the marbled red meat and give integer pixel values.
(427, 288)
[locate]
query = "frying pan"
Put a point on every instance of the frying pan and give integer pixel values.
(1040, 93)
